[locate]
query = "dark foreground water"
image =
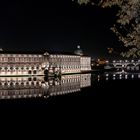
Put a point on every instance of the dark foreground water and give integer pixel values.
(70, 102)
(85, 91)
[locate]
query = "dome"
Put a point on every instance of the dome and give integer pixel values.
(1, 49)
(78, 51)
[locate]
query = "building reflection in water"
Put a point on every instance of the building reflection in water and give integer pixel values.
(29, 87)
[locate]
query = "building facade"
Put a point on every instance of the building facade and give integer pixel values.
(85, 63)
(64, 64)
(12, 64)
(21, 64)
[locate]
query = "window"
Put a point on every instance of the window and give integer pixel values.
(29, 72)
(29, 79)
(34, 79)
(34, 72)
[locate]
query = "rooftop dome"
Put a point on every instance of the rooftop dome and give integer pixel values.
(1, 49)
(78, 51)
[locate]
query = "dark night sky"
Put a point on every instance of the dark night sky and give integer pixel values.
(56, 25)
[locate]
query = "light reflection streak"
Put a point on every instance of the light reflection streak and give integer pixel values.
(119, 76)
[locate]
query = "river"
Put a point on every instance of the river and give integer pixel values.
(87, 91)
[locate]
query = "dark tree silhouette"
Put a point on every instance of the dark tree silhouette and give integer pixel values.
(127, 26)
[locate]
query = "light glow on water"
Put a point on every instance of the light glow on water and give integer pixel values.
(39, 87)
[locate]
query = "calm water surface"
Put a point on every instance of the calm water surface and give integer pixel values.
(81, 91)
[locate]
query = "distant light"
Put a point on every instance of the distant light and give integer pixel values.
(106, 78)
(78, 47)
(98, 78)
(107, 75)
(126, 76)
(132, 60)
(132, 76)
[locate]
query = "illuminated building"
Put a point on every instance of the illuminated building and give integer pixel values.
(48, 63)
(63, 63)
(20, 64)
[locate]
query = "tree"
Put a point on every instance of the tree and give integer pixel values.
(127, 26)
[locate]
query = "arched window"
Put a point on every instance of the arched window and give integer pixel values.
(29, 79)
(11, 68)
(34, 72)
(34, 79)
(29, 72)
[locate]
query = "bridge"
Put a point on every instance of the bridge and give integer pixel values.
(130, 65)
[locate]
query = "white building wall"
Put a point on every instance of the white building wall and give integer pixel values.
(21, 64)
(85, 63)
(34, 64)
(65, 64)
